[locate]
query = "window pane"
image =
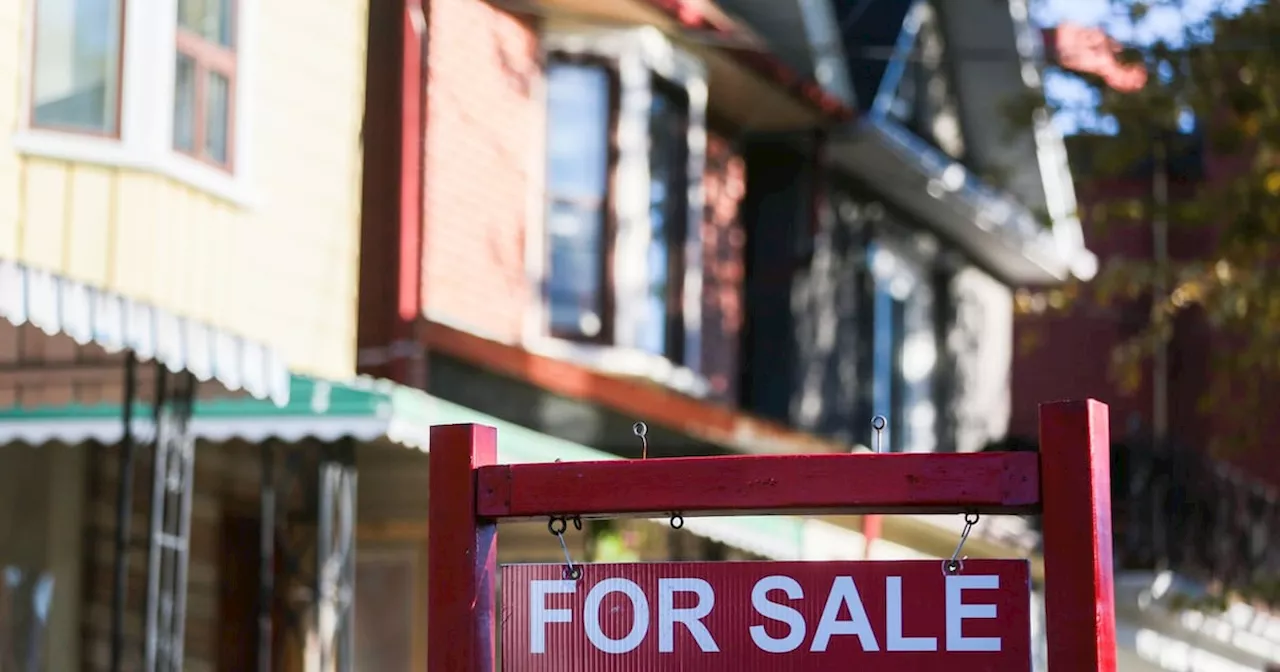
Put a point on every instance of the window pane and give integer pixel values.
(904, 350)
(184, 104)
(210, 19)
(77, 64)
(668, 137)
(216, 117)
(578, 107)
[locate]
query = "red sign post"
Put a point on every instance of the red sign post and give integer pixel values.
(738, 616)
(1067, 482)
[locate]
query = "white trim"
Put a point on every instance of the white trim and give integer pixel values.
(146, 108)
(110, 430)
(638, 54)
(622, 362)
(1051, 156)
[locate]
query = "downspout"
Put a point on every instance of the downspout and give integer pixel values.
(1160, 285)
(408, 364)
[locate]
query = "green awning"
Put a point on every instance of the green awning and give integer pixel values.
(368, 410)
(364, 409)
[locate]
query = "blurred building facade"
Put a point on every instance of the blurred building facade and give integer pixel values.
(751, 226)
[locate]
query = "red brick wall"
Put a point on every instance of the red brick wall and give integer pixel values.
(723, 249)
(484, 128)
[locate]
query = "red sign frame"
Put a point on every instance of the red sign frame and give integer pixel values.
(470, 494)
(739, 616)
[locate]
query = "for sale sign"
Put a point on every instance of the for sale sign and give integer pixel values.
(739, 616)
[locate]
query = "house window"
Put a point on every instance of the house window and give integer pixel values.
(662, 332)
(76, 78)
(580, 107)
(170, 103)
(204, 80)
(582, 149)
(904, 350)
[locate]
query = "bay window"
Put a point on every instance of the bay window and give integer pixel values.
(621, 198)
(153, 86)
(580, 106)
(662, 331)
(76, 65)
(204, 79)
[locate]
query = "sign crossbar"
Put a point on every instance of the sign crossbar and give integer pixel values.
(986, 483)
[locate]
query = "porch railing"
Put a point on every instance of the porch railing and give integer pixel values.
(1175, 509)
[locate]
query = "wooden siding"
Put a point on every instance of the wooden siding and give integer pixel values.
(280, 269)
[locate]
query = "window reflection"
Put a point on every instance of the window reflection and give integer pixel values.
(661, 331)
(904, 351)
(578, 120)
(76, 68)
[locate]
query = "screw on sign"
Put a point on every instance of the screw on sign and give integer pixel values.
(804, 616)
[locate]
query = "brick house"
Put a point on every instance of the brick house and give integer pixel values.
(668, 257)
(746, 232)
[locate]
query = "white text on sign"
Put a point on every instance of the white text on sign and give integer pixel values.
(769, 599)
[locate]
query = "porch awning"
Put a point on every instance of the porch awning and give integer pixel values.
(369, 410)
(91, 315)
(364, 410)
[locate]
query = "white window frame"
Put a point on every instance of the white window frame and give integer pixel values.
(639, 54)
(901, 264)
(146, 88)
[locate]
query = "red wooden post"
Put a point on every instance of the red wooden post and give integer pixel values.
(1075, 467)
(462, 562)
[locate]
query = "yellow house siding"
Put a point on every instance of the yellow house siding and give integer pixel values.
(11, 84)
(90, 222)
(279, 268)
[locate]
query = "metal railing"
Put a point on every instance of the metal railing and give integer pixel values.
(1176, 509)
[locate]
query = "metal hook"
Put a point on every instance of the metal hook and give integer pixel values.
(642, 430)
(557, 526)
(955, 564)
(878, 423)
(677, 521)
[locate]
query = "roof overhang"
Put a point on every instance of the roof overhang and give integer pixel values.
(805, 34)
(1028, 154)
(991, 227)
(747, 86)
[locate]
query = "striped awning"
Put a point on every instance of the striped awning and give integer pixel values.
(364, 410)
(87, 314)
